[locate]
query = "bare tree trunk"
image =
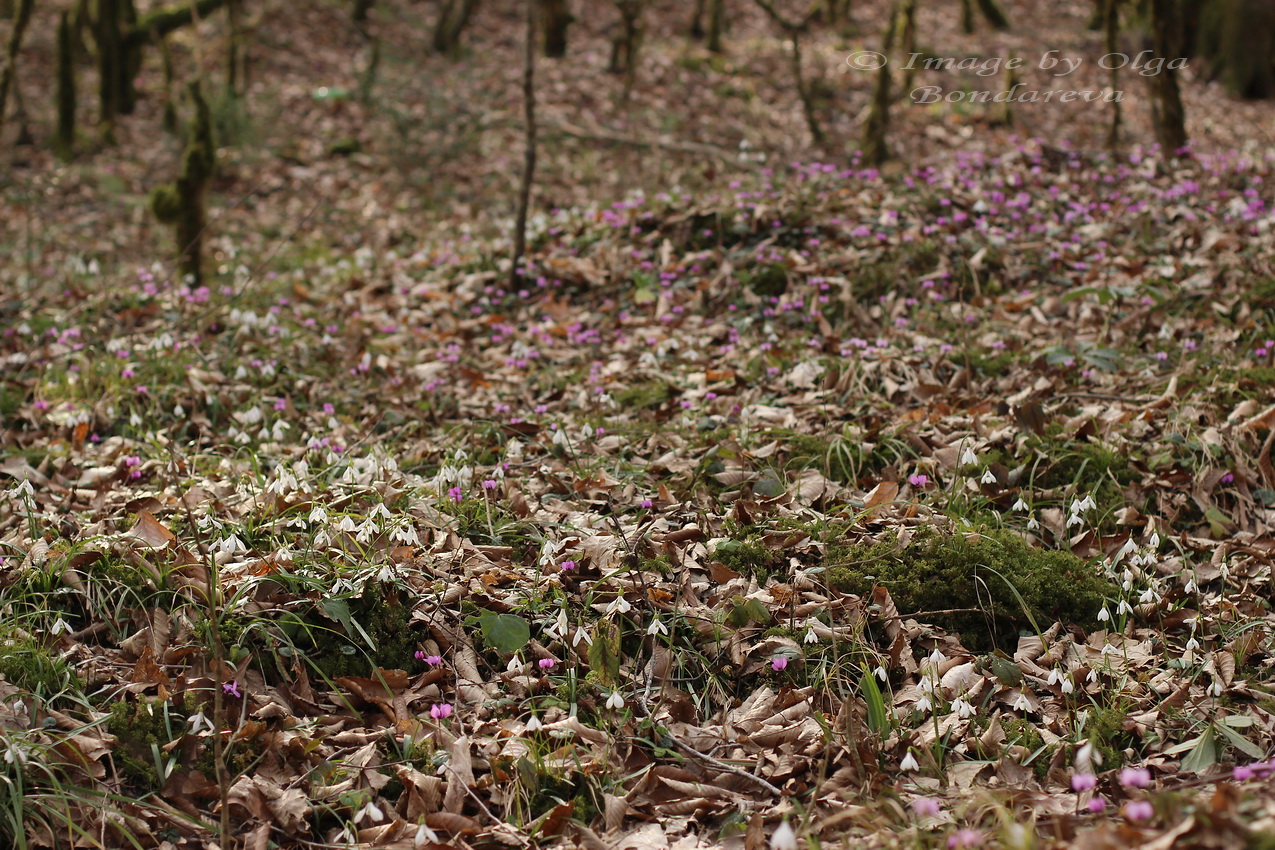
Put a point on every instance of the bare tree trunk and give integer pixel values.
(794, 30)
(557, 17)
(909, 41)
(9, 76)
(360, 11)
(1167, 112)
(110, 56)
(529, 160)
(697, 20)
(836, 14)
(64, 130)
(874, 147)
(627, 43)
(452, 18)
(716, 23)
(1111, 44)
(994, 13)
(967, 16)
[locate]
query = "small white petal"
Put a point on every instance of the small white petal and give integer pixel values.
(909, 762)
(783, 838)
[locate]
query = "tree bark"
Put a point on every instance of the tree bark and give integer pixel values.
(716, 24)
(874, 148)
(9, 75)
(452, 19)
(64, 130)
(1167, 112)
(1111, 44)
(557, 17)
(529, 154)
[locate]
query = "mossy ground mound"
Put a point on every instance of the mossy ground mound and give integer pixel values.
(935, 571)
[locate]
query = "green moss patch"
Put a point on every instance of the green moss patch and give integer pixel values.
(935, 571)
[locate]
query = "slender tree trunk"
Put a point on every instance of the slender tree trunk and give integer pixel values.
(516, 271)
(361, 9)
(109, 59)
(452, 19)
(64, 130)
(967, 16)
(716, 24)
(183, 203)
(234, 50)
(803, 91)
(697, 20)
(1167, 112)
(1111, 44)
(837, 15)
(908, 38)
(557, 17)
(9, 74)
(874, 147)
(994, 13)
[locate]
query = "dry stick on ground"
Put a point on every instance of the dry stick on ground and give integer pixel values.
(529, 161)
(794, 29)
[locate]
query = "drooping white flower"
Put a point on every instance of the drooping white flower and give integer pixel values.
(1019, 505)
(783, 838)
(657, 627)
(1021, 703)
(909, 762)
(615, 701)
(534, 724)
(967, 457)
(988, 477)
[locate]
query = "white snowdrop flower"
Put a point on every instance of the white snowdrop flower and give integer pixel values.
(424, 835)
(1092, 677)
(988, 477)
(1053, 678)
(1124, 607)
(179, 412)
(22, 490)
(926, 685)
(657, 627)
(560, 438)
(19, 707)
(198, 721)
(783, 838)
(1067, 686)
(1192, 644)
(60, 626)
(615, 701)
(534, 724)
(923, 704)
(1216, 688)
(380, 510)
(14, 753)
(881, 673)
(322, 540)
(1019, 505)
(1190, 586)
(346, 523)
(514, 665)
(232, 544)
(619, 604)
(581, 635)
(962, 707)
(909, 762)
(1225, 569)
(810, 637)
(1109, 649)
(967, 457)
(1021, 703)
(1154, 543)
(1075, 519)
(1147, 596)
(1104, 615)
(1087, 758)
(936, 658)
(1033, 525)
(241, 373)
(370, 812)
(368, 530)
(1127, 549)
(135, 419)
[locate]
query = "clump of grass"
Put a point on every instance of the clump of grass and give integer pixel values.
(936, 571)
(647, 394)
(31, 667)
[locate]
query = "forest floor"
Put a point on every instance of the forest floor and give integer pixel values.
(788, 502)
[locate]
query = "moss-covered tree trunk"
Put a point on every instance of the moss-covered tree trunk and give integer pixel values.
(64, 129)
(453, 16)
(1167, 112)
(873, 146)
(110, 53)
(557, 17)
(9, 74)
(183, 203)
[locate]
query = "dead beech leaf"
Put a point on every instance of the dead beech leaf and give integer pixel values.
(151, 531)
(880, 494)
(460, 776)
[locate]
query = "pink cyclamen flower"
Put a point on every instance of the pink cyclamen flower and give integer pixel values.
(419, 655)
(1083, 782)
(1138, 810)
(1242, 773)
(456, 493)
(1135, 777)
(1097, 805)
(1228, 478)
(547, 663)
(646, 503)
(918, 480)
(489, 484)
(433, 660)
(281, 403)
(965, 838)
(232, 689)
(779, 662)
(568, 566)
(440, 711)
(925, 807)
